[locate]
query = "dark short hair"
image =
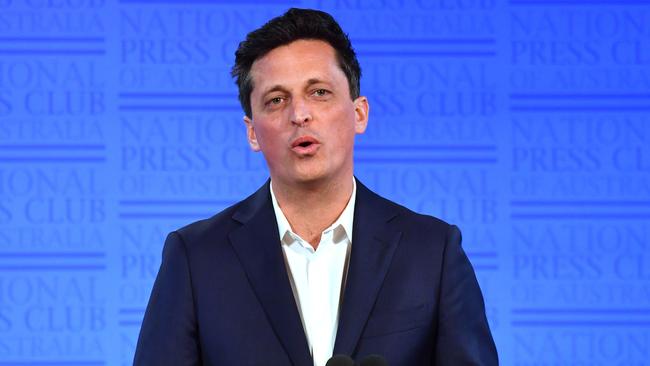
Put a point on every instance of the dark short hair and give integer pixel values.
(293, 25)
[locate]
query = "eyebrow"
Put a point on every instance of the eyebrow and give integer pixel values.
(281, 88)
(274, 88)
(313, 81)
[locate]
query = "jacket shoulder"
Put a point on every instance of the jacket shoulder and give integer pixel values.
(210, 231)
(408, 219)
(216, 229)
(420, 232)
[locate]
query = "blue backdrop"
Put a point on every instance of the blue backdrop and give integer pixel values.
(525, 122)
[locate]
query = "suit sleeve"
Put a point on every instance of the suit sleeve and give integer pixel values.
(463, 336)
(168, 335)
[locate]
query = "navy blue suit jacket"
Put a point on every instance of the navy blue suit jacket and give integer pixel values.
(223, 296)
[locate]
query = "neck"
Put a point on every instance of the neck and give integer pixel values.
(311, 208)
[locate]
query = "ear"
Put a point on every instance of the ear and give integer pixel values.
(250, 134)
(361, 109)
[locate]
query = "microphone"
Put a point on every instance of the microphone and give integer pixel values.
(340, 360)
(373, 360)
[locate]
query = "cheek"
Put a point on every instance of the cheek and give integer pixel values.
(346, 127)
(268, 138)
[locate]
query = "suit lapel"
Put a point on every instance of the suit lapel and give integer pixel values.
(258, 247)
(373, 246)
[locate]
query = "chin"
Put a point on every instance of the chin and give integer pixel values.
(310, 176)
(307, 172)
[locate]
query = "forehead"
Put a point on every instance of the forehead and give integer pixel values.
(296, 63)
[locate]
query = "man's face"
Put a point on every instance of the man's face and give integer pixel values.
(303, 119)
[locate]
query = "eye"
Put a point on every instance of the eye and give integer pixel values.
(275, 101)
(321, 92)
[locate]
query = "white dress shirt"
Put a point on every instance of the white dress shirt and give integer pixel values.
(318, 276)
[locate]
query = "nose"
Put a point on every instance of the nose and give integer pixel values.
(301, 113)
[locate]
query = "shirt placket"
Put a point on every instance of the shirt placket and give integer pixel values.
(319, 294)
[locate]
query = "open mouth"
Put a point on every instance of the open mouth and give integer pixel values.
(305, 145)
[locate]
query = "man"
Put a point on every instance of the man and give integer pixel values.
(312, 264)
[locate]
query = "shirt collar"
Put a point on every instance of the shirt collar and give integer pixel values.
(345, 220)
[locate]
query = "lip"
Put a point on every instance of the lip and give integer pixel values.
(305, 145)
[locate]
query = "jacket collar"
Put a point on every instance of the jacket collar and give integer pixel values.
(373, 244)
